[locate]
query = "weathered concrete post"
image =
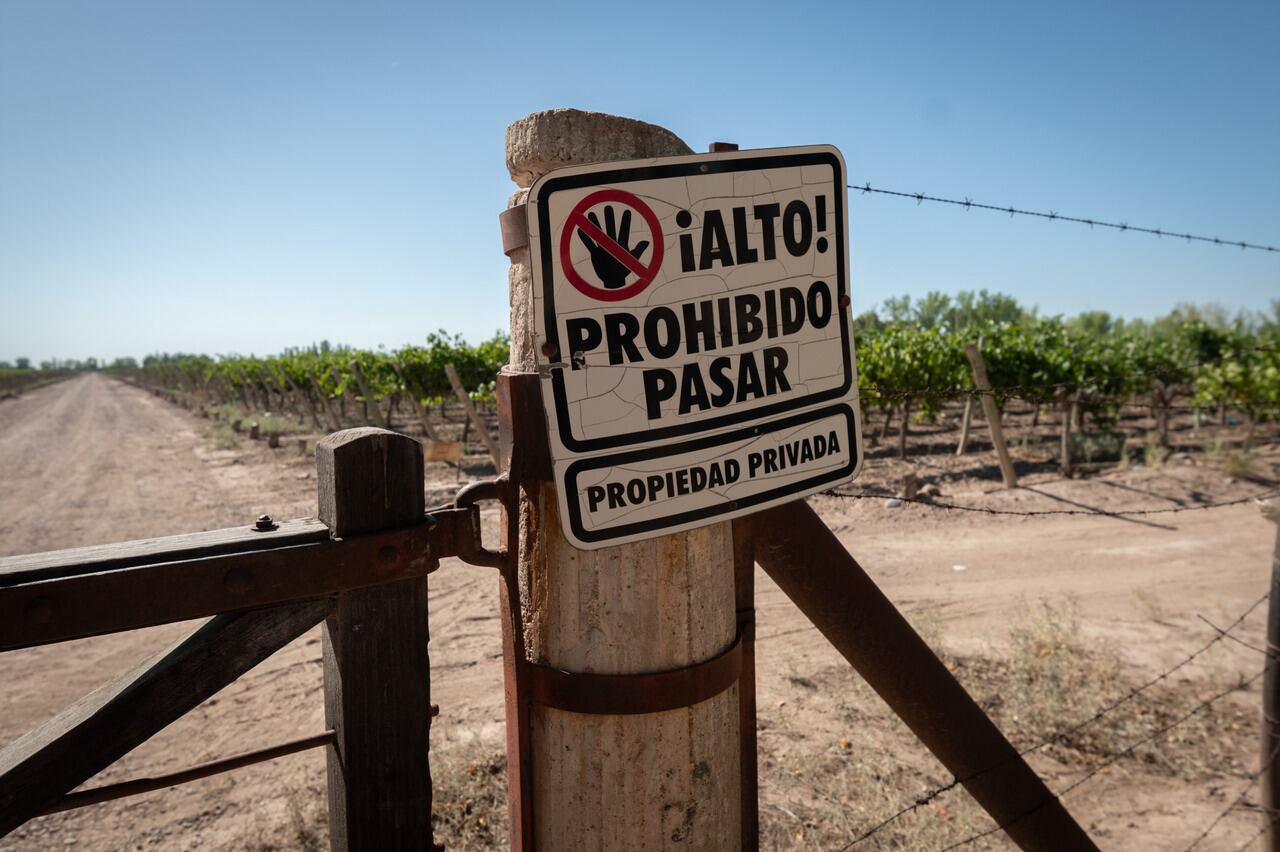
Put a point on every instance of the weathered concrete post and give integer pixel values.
(642, 781)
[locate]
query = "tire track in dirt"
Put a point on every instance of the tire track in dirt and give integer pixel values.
(93, 460)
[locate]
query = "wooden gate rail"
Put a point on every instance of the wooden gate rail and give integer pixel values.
(361, 570)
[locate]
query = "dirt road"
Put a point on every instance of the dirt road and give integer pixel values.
(91, 460)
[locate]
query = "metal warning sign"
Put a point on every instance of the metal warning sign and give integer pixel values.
(693, 320)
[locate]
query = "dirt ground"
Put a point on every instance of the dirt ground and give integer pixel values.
(92, 460)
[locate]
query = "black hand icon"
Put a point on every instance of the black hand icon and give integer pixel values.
(611, 271)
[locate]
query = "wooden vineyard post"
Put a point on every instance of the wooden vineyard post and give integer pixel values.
(334, 421)
(967, 418)
(1068, 415)
(597, 781)
(472, 417)
(369, 399)
(424, 410)
(377, 679)
(991, 413)
(1270, 757)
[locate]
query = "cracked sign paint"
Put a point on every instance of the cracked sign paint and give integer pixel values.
(696, 315)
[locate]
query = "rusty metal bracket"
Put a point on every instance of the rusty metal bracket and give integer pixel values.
(523, 444)
(514, 222)
(470, 548)
(630, 694)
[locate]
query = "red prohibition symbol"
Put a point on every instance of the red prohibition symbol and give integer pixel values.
(613, 257)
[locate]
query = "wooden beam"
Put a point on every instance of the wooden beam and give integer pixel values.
(461, 393)
(125, 554)
(152, 584)
(39, 768)
(377, 676)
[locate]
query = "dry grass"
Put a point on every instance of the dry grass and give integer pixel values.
(824, 788)
(469, 792)
(222, 437)
(824, 784)
(1054, 678)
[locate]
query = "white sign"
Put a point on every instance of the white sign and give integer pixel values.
(695, 339)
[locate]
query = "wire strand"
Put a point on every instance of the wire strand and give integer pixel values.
(1250, 782)
(969, 204)
(1158, 732)
(1064, 734)
(1123, 513)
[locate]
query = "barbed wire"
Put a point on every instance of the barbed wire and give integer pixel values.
(987, 510)
(1052, 215)
(1254, 839)
(1251, 781)
(1240, 685)
(1065, 733)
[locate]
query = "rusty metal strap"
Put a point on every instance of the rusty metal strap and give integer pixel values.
(522, 427)
(514, 222)
(630, 694)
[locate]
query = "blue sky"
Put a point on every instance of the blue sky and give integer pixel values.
(246, 176)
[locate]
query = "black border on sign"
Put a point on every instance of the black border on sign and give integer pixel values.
(736, 164)
(573, 471)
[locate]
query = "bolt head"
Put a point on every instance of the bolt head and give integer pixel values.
(264, 523)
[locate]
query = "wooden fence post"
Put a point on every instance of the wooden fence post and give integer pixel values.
(377, 679)
(1270, 765)
(472, 417)
(607, 782)
(991, 413)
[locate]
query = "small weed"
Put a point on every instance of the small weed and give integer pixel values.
(308, 819)
(1097, 446)
(225, 412)
(1153, 455)
(1240, 465)
(222, 436)
(929, 627)
(274, 424)
(1150, 604)
(1237, 464)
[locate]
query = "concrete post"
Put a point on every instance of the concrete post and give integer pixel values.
(619, 782)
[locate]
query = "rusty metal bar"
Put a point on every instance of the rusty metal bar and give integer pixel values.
(138, 786)
(744, 566)
(812, 567)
